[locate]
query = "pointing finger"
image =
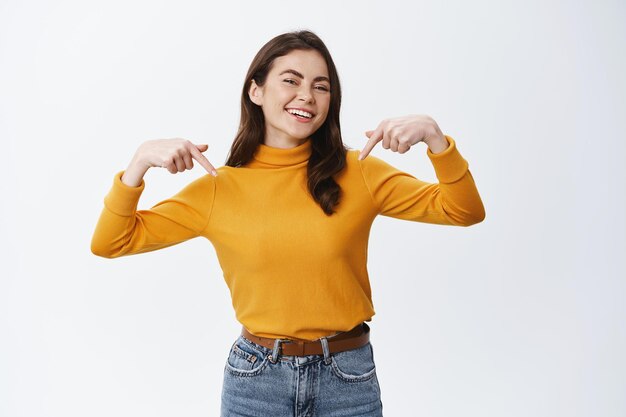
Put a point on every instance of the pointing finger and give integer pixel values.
(374, 138)
(202, 160)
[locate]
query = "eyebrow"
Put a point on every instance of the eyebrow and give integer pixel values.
(297, 74)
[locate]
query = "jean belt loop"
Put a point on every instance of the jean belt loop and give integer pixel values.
(325, 350)
(274, 355)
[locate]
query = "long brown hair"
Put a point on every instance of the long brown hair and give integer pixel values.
(328, 153)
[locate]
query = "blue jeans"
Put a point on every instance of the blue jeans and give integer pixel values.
(339, 384)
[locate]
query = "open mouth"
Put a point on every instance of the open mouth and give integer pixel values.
(300, 116)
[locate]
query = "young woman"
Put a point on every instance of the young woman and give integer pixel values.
(289, 215)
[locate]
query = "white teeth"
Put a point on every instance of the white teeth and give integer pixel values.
(300, 113)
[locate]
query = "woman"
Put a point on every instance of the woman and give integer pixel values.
(289, 215)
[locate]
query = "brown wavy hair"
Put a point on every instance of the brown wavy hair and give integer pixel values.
(328, 152)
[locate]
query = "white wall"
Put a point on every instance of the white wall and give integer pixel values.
(521, 315)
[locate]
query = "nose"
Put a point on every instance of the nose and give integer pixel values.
(305, 95)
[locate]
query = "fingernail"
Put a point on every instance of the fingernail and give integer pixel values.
(214, 172)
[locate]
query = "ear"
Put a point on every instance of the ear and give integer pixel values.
(255, 93)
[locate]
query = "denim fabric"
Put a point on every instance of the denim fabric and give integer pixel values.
(337, 384)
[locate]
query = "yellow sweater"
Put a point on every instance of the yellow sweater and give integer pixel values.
(292, 271)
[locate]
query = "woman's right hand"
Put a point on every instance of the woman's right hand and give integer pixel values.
(176, 155)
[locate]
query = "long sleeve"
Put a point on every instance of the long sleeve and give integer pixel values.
(124, 230)
(453, 201)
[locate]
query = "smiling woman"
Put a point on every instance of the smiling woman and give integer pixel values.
(294, 73)
(305, 98)
(289, 216)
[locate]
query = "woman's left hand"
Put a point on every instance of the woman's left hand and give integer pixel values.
(400, 133)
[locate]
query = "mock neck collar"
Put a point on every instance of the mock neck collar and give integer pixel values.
(270, 157)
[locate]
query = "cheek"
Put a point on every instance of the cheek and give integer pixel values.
(282, 97)
(326, 103)
(326, 109)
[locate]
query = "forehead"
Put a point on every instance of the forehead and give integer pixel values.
(310, 63)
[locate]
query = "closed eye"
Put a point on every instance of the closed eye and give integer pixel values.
(289, 80)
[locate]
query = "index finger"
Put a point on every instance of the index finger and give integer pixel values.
(197, 155)
(376, 137)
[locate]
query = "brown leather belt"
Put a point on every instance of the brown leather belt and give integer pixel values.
(339, 342)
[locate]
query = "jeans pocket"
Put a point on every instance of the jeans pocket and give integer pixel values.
(245, 359)
(354, 365)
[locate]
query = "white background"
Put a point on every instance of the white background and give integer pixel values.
(521, 315)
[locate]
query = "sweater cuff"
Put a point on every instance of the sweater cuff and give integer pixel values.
(122, 199)
(449, 165)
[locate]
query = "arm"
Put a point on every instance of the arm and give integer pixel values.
(452, 201)
(124, 230)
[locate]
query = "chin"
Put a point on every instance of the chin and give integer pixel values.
(302, 134)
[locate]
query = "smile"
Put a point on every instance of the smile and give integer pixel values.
(301, 119)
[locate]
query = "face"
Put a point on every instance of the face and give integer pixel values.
(297, 80)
